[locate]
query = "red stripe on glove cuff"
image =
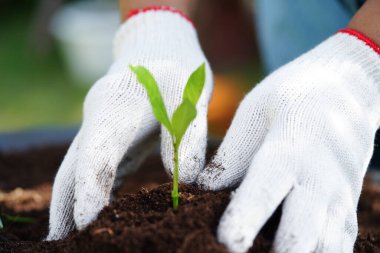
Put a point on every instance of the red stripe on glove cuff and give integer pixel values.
(369, 42)
(135, 12)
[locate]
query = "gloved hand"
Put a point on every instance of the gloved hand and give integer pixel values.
(119, 128)
(304, 135)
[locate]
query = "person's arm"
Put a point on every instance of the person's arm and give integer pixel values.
(184, 6)
(367, 20)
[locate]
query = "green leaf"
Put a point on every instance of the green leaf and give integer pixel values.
(17, 219)
(1, 224)
(194, 86)
(147, 80)
(182, 117)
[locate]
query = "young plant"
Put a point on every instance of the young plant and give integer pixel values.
(6, 218)
(182, 116)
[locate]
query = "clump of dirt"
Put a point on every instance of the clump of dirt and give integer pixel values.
(144, 221)
(24, 200)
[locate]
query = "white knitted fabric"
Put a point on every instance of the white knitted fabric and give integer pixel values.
(304, 135)
(119, 128)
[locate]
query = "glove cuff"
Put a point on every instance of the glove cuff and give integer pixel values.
(135, 12)
(352, 58)
(350, 52)
(369, 42)
(159, 26)
(363, 54)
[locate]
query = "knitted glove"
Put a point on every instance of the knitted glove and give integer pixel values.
(119, 127)
(304, 135)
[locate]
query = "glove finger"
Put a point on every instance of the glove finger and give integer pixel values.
(61, 219)
(241, 143)
(135, 156)
(350, 231)
(333, 234)
(265, 185)
(106, 142)
(303, 215)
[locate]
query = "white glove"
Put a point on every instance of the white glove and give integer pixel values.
(119, 128)
(304, 135)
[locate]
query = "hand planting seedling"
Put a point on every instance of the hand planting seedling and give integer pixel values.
(182, 116)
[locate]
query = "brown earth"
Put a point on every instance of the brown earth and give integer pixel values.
(140, 219)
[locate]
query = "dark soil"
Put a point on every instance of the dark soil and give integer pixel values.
(141, 219)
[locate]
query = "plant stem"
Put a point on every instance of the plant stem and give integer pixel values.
(175, 193)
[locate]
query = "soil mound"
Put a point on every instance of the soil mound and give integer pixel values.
(144, 221)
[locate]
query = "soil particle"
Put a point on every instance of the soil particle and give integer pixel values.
(213, 171)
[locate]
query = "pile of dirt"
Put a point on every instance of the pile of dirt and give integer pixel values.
(143, 221)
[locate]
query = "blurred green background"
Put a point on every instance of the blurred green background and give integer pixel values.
(37, 90)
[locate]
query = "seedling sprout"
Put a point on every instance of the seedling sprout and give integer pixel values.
(6, 218)
(184, 114)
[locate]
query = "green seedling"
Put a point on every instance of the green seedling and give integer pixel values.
(6, 218)
(182, 116)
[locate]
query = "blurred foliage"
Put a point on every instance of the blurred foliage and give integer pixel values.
(35, 90)
(10, 7)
